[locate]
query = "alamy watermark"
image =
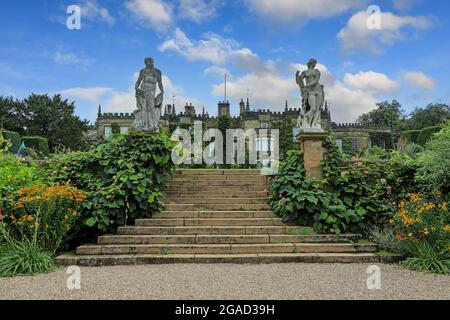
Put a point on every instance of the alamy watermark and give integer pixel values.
(374, 18)
(238, 147)
(73, 21)
(374, 280)
(73, 281)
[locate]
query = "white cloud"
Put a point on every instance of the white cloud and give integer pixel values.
(90, 9)
(405, 4)
(198, 10)
(67, 58)
(356, 36)
(155, 14)
(216, 71)
(419, 80)
(88, 94)
(270, 88)
(289, 10)
(371, 81)
(212, 48)
(125, 101)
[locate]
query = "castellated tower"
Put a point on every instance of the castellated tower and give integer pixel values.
(223, 108)
(242, 107)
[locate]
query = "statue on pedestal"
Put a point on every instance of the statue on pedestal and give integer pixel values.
(148, 110)
(313, 98)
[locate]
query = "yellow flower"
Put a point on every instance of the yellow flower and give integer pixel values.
(447, 228)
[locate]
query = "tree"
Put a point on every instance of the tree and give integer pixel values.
(387, 113)
(432, 115)
(40, 115)
(11, 114)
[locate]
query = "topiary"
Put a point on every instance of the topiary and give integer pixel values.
(39, 144)
(427, 133)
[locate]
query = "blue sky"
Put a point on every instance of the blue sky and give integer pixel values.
(258, 43)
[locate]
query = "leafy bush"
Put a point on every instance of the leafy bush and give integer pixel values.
(44, 214)
(14, 175)
(14, 138)
(300, 200)
(38, 144)
(386, 239)
(412, 150)
(433, 164)
(424, 218)
(24, 258)
(427, 258)
(427, 134)
(122, 178)
(411, 135)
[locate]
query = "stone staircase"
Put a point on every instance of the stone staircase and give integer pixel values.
(218, 216)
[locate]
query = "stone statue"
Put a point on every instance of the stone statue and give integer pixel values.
(148, 107)
(313, 98)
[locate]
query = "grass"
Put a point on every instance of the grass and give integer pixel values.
(24, 258)
(427, 258)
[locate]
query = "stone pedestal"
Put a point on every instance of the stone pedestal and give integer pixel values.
(311, 144)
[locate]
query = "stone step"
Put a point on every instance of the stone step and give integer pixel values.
(217, 189)
(222, 239)
(228, 172)
(216, 194)
(182, 200)
(210, 222)
(217, 183)
(214, 214)
(210, 230)
(225, 248)
(139, 259)
(215, 177)
(218, 207)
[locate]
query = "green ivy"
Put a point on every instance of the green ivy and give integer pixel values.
(351, 197)
(123, 178)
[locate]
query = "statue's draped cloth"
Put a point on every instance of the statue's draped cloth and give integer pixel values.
(148, 114)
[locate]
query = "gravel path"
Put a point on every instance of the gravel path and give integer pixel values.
(221, 281)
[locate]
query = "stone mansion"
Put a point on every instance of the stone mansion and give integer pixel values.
(353, 136)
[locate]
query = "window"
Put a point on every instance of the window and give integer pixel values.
(264, 125)
(355, 144)
(108, 132)
(124, 130)
(339, 143)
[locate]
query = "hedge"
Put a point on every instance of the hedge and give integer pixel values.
(14, 138)
(39, 144)
(411, 135)
(427, 133)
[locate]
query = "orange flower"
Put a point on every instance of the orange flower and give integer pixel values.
(401, 237)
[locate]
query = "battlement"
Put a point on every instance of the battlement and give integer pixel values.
(344, 126)
(116, 115)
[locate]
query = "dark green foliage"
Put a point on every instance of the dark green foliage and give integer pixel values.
(49, 117)
(123, 178)
(411, 135)
(305, 202)
(24, 258)
(39, 144)
(115, 128)
(426, 257)
(432, 115)
(14, 138)
(426, 134)
(381, 138)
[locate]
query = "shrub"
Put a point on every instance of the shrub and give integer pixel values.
(424, 218)
(411, 135)
(427, 134)
(302, 201)
(427, 258)
(433, 164)
(386, 239)
(39, 144)
(14, 175)
(24, 258)
(122, 178)
(44, 215)
(14, 138)
(412, 150)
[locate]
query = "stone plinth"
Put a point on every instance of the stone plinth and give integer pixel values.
(311, 144)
